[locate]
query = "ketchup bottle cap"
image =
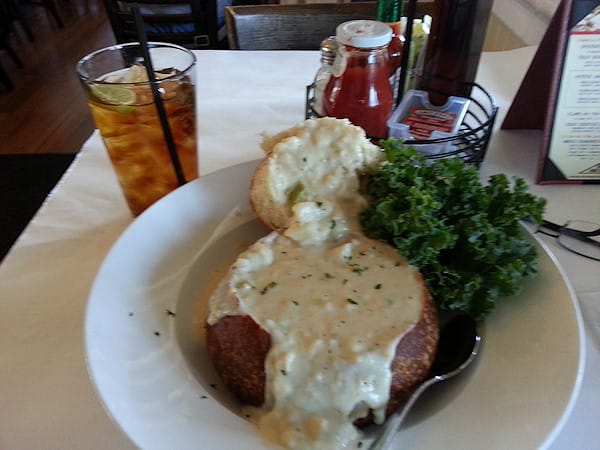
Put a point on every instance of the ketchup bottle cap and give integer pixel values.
(364, 33)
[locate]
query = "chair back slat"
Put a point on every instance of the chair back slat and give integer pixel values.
(294, 27)
(191, 23)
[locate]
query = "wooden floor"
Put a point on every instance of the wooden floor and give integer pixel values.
(46, 112)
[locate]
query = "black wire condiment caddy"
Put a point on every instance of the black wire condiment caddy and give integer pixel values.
(470, 141)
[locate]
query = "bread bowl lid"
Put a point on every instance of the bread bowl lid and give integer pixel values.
(364, 33)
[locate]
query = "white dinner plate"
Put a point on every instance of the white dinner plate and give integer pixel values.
(145, 352)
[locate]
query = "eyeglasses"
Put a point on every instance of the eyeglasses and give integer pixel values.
(577, 236)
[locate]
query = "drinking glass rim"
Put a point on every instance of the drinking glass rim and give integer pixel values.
(152, 44)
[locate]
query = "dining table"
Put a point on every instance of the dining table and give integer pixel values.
(48, 398)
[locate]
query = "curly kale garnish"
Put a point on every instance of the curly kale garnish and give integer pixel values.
(464, 236)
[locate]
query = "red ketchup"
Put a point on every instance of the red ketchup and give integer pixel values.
(359, 88)
(395, 47)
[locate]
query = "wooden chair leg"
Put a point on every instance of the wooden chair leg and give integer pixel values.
(19, 17)
(49, 4)
(26, 29)
(13, 55)
(5, 79)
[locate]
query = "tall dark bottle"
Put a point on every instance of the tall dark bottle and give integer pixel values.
(455, 43)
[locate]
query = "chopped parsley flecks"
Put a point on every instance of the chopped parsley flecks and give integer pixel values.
(358, 269)
(269, 286)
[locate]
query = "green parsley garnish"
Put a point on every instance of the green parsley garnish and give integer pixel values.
(464, 236)
(271, 285)
(358, 269)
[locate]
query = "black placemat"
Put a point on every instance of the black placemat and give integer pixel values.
(25, 182)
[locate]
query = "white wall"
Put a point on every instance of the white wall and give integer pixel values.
(526, 19)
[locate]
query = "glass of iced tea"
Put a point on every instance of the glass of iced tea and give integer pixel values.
(121, 99)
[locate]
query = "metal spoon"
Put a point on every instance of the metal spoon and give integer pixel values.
(457, 347)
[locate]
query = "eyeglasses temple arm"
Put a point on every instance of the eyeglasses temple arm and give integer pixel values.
(545, 225)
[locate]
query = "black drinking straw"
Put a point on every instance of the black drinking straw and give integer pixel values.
(410, 16)
(160, 107)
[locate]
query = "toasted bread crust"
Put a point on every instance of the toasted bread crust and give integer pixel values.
(238, 347)
(269, 212)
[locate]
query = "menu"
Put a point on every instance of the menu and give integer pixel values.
(574, 146)
(560, 95)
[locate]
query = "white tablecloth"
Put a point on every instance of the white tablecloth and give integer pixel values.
(48, 401)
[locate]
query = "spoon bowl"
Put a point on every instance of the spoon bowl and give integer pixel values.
(458, 346)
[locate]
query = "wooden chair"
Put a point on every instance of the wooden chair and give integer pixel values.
(51, 7)
(295, 27)
(194, 24)
(9, 13)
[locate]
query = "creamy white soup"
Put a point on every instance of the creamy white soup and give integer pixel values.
(335, 312)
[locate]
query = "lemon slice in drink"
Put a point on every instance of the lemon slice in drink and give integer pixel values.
(114, 95)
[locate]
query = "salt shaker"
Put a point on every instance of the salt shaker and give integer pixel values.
(328, 49)
(359, 87)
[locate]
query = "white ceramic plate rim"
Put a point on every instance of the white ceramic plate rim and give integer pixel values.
(138, 352)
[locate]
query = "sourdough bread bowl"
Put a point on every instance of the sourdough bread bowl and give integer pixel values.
(320, 328)
(342, 331)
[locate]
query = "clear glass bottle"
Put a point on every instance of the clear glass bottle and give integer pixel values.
(328, 50)
(390, 13)
(359, 87)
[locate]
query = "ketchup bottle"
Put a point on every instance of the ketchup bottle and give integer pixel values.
(359, 87)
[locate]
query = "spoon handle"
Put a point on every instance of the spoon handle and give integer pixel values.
(392, 424)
